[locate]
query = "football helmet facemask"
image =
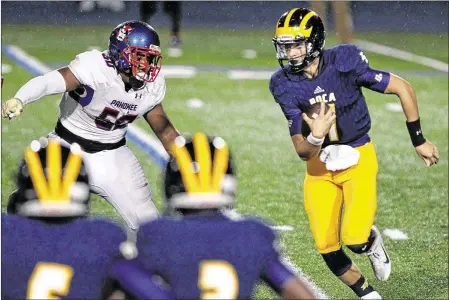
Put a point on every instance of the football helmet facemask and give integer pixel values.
(201, 175)
(52, 182)
(134, 47)
(302, 28)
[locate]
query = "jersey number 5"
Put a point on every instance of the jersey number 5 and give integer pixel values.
(218, 280)
(48, 279)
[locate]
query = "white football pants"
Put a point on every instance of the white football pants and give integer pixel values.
(116, 175)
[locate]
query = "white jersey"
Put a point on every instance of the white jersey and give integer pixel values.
(101, 111)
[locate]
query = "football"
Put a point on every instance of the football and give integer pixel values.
(312, 113)
(314, 110)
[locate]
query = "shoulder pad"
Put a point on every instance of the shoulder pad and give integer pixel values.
(90, 68)
(347, 57)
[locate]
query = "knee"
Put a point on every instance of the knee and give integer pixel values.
(359, 248)
(364, 247)
(337, 261)
(324, 246)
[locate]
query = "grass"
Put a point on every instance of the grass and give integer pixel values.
(411, 197)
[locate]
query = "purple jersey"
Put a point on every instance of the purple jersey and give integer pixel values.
(344, 70)
(211, 256)
(70, 260)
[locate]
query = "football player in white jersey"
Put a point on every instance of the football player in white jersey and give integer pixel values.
(102, 93)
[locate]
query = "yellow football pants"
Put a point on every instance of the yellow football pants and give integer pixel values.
(326, 193)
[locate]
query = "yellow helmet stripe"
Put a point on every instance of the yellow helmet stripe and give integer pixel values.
(302, 26)
(203, 157)
(37, 174)
(186, 168)
(289, 16)
(72, 169)
(54, 169)
(221, 158)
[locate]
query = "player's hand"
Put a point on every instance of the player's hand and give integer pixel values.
(429, 153)
(12, 108)
(321, 125)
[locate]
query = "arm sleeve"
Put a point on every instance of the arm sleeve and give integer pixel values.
(137, 281)
(372, 79)
(275, 273)
(291, 111)
(293, 114)
(48, 84)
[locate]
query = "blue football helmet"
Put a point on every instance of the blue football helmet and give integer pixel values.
(134, 47)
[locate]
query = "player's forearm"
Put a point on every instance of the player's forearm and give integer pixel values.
(306, 149)
(167, 135)
(48, 84)
(406, 94)
(295, 288)
(409, 103)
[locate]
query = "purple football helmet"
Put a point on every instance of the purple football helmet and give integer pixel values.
(134, 47)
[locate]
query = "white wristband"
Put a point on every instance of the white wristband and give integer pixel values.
(38, 87)
(315, 141)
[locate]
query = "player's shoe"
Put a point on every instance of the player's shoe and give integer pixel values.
(378, 256)
(372, 295)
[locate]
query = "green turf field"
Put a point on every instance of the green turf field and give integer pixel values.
(411, 197)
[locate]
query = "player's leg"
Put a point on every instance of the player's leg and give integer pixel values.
(323, 200)
(323, 203)
(147, 9)
(173, 9)
(117, 176)
(358, 232)
(343, 21)
(320, 7)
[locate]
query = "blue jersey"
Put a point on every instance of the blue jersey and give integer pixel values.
(344, 70)
(70, 260)
(209, 256)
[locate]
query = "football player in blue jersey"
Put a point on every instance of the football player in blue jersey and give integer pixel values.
(341, 160)
(198, 249)
(49, 246)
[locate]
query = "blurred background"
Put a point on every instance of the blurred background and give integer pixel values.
(218, 59)
(390, 16)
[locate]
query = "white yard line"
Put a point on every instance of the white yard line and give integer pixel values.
(282, 227)
(395, 234)
(246, 74)
(178, 71)
(404, 55)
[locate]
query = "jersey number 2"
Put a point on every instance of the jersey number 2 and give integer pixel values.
(218, 280)
(48, 279)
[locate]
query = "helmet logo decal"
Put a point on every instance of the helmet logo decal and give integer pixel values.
(123, 32)
(205, 178)
(302, 26)
(58, 187)
(296, 31)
